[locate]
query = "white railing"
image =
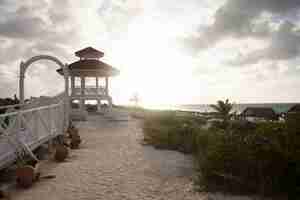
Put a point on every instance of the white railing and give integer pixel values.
(28, 129)
(90, 90)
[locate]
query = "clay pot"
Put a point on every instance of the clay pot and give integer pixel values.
(25, 176)
(61, 153)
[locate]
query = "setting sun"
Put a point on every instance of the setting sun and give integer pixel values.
(157, 70)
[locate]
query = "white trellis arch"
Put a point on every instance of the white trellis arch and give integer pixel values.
(25, 65)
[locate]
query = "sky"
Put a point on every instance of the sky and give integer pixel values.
(169, 52)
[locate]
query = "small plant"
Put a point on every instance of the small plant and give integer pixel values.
(26, 172)
(74, 136)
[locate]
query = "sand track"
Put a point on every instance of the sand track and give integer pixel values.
(112, 164)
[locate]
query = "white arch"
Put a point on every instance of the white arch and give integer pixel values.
(25, 65)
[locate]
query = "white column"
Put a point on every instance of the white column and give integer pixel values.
(82, 85)
(67, 101)
(97, 85)
(72, 85)
(99, 104)
(106, 86)
(82, 88)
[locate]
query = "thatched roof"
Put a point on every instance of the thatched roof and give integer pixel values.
(260, 112)
(89, 53)
(91, 67)
(294, 109)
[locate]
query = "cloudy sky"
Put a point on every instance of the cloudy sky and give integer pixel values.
(192, 51)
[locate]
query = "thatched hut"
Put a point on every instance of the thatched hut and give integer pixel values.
(259, 113)
(293, 118)
(294, 109)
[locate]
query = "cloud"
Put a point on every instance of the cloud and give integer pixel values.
(118, 14)
(284, 45)
(242, 19)
(30, 28)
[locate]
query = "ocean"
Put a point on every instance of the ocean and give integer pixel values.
(277, 107)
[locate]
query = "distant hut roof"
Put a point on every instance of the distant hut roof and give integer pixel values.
(260, 112)
(294, 109)
(89, 53)
(91, 67)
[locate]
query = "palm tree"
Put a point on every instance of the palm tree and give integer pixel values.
(223, 109)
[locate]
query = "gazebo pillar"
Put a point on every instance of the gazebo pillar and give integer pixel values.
(97, 85)
(106, 86)
(98, 94)
(72, 85)
(82, 91)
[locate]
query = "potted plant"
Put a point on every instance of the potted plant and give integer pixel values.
(61, 152)
(26, 172)
(74, 136)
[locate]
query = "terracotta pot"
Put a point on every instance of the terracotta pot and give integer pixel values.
(61, 153)
(25, 176)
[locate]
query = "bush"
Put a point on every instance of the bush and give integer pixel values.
(167, 131)
(251, 158)
(262, 160)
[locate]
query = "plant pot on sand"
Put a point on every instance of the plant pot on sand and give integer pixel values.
(26, 175)
(61, 153)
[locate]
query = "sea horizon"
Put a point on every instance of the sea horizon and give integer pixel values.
(237, 107)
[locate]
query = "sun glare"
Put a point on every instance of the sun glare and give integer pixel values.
(153, 68)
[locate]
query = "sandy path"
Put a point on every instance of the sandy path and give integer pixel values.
(112, 164)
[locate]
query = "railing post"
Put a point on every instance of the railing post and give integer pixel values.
(66, 99)
(36, 127)
(21, 83)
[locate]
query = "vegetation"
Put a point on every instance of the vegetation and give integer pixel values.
(244, 157)
(8, 101)
(223, 109)
(166, 130)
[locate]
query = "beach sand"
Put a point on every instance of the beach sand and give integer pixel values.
(113, 164)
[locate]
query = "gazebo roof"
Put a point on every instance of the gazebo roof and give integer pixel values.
(91, 67)
(89, 53)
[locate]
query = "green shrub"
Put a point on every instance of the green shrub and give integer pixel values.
(262, 160)
(252, 158)
(168, 131)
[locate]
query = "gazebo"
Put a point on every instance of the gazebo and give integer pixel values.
(90, 79)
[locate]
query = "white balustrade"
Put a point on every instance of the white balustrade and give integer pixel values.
(29, 128)
(90, 90)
